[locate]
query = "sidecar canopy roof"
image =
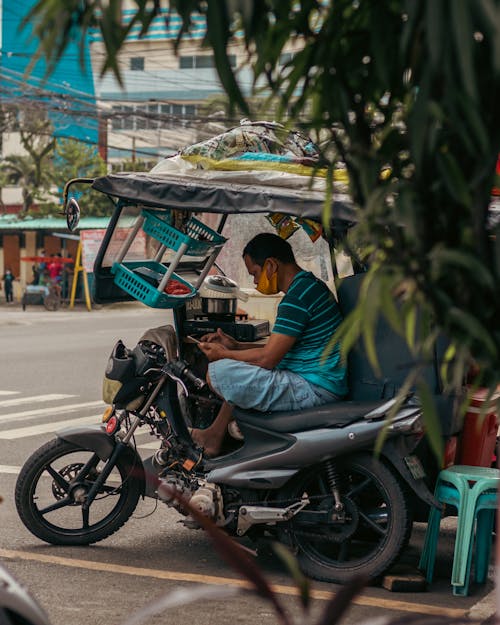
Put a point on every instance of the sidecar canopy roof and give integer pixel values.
(178, 184)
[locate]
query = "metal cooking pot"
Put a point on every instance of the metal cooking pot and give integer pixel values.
(214, 306)
(219, 295)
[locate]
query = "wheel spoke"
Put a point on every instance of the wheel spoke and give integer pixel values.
(343, 554)
(62, 503)
(374, 526)
(88, 466)
(58, 478)
(110, 489)
(359, 488)
(85, 517)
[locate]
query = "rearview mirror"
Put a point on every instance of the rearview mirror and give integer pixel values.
(72, 214)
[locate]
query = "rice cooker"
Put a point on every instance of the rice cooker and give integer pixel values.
(219, 295)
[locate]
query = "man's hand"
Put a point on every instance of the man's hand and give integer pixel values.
(222, 338)
(213, 351)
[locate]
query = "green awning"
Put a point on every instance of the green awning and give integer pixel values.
(12, 222)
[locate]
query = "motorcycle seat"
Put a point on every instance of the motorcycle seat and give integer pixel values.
(334, 414)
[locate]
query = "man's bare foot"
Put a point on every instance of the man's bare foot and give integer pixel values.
(207, 441)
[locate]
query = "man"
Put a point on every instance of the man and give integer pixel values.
(291, 371)
(8, 282)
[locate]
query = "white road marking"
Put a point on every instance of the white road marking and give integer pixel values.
(28, 414)
(154, 445)
(44, 428)
(34, 399)
(9, 393)
(6, 468)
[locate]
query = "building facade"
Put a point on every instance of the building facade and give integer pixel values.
(166, 101)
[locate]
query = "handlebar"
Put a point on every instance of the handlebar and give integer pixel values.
(180, 369)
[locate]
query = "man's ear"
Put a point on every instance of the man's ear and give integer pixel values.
(271, 266)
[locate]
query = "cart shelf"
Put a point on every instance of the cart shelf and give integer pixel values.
(132, 276)
(140, 279)
(199, 238)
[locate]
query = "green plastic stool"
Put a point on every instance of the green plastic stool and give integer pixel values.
(473, 492)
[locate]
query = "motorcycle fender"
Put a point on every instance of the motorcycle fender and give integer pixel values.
(94, 437)
(394, 451)
(91, 437)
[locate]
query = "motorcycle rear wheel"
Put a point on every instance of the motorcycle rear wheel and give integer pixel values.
(377, 526)
(52, 485)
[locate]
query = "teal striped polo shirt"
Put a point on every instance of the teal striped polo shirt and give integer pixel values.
(309, 312)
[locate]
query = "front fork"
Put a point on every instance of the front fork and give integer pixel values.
(122, 444)
(103, 475)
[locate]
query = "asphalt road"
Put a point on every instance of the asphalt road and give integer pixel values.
(51, 372)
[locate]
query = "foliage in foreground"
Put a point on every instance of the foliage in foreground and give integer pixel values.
(407, 95)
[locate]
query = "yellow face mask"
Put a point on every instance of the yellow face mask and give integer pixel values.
(265, 285)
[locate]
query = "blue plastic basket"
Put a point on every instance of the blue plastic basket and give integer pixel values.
(201, 239)
(127, 278)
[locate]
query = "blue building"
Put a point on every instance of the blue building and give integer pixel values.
(67, 96)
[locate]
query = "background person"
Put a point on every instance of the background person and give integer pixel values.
(8, 285)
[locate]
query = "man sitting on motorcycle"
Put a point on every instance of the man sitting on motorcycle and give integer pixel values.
(292, 370)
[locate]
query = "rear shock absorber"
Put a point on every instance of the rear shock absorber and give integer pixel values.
(333, 479)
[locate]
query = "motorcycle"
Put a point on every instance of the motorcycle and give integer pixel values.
(309, 479)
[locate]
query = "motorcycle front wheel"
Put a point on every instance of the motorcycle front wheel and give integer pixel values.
(53, 484)
(375, 529)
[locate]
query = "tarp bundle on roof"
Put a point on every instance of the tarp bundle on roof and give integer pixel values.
(230, 173)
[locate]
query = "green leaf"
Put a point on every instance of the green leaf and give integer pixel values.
(473, 328)
(336, 608)
(410, 326)
(435, 20)
(453, 259)
(431, 420)
(448, 357)
(388, 306)
(463, 31)
(454, 179)
(292, 566)
(218, 34)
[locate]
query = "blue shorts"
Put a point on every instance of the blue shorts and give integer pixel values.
(252, 387)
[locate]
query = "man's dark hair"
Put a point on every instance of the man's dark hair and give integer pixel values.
(266, 245)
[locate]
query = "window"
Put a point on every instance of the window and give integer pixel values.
(117, 118)
(186, 62)
(202, 61)
(151, 116)
(128, 117)
(137, 63)
(141, 118)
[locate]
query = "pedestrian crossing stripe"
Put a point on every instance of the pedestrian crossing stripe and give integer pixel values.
(53, 426)
(35, 399)
(44, 428)
(53, 410)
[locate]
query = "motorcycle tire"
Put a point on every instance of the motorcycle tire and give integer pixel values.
(378, 521)
(51, 508)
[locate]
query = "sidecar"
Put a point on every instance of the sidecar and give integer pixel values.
(169, 229)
